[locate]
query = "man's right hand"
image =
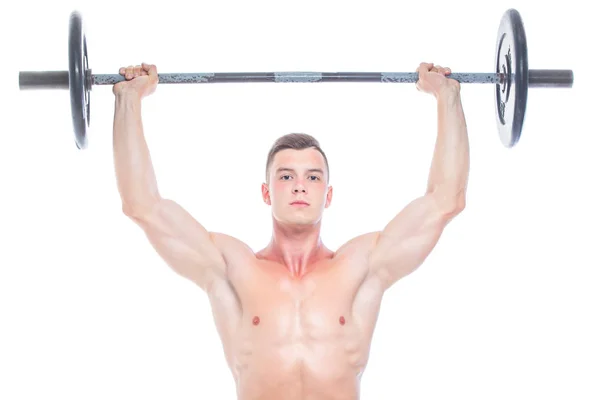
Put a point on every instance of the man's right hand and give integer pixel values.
(433, 80)
(140, 80)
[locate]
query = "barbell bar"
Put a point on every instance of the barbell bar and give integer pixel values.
(512, 78)
(60, 79)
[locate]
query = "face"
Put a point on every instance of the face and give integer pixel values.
(297, 176)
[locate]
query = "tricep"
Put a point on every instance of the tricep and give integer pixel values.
(182, 242)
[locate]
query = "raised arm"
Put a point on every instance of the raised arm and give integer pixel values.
(407, 240)
(182, 242)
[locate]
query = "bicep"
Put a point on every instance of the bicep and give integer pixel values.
(182, 242)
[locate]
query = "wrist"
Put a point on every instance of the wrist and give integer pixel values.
(128, 96)
(449, 92)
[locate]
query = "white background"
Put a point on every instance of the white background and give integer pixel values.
(507, 305)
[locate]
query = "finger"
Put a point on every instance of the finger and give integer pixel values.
(145, 69)
(129, 72)
(122, 70)
(150, 68)
(424, 68)
(423, 65)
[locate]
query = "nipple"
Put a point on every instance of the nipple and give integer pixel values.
(256, 320)
(342, 320)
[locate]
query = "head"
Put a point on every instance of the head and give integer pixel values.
(297, 170)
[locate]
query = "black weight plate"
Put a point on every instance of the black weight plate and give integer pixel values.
(511, 59)
(77, 79)
(88, 81)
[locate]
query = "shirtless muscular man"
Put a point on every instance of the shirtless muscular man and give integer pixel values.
(295, 318)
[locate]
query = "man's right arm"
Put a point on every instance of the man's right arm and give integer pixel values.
(182, 242)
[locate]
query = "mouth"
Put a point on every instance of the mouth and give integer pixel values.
(299, 204)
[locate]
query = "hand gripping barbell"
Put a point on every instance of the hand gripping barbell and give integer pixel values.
(512, 78)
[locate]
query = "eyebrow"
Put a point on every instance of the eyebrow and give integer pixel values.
(282, 169)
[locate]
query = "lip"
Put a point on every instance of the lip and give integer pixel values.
(299, 203)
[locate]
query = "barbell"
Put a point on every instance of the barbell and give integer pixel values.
(512, 78)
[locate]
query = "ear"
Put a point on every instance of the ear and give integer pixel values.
(329, 196)
(265, 194)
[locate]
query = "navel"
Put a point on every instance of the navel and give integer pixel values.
(256, 320)
(342, 320)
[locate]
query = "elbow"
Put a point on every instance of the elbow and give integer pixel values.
(137, 210)
(128, 210)
(451, 210)
(457, 206)
(133, 213)
(460, 202)
(450, 204)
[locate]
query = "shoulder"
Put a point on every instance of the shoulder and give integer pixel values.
(354, 255)
(358, 246)
(230, 246)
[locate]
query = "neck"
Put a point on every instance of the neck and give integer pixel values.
(296, 247)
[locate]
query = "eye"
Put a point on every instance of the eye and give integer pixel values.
(314, 176)
(284, 176)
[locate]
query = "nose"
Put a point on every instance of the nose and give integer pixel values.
(299, 187)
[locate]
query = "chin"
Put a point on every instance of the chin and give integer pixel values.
(297, 221)
(305, 221)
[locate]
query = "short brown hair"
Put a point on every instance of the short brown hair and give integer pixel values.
(295, 141)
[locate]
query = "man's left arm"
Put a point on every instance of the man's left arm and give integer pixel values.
(406, 241)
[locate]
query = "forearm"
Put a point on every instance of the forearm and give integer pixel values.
(450, 165)
(133, 166)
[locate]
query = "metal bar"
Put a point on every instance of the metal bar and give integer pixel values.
(60, 79)
(554, 78)
(300, 77)
(44, 80)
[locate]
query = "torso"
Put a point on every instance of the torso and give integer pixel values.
(297, 338)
